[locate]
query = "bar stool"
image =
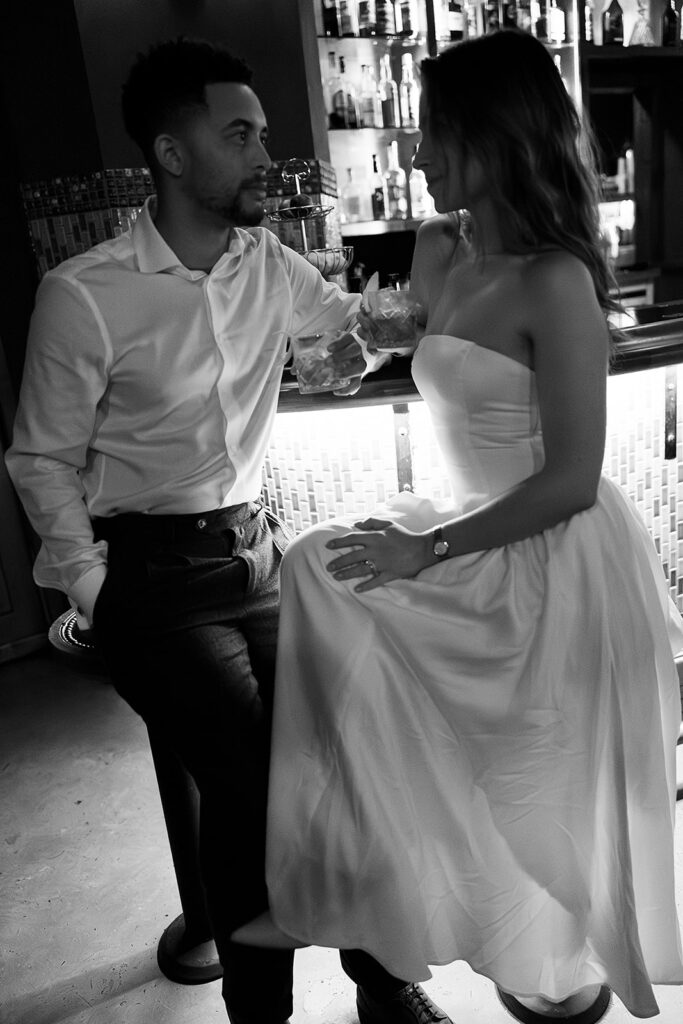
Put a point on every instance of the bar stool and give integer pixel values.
(186, 952)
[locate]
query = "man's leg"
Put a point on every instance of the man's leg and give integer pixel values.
(171, 626)
(383, 999)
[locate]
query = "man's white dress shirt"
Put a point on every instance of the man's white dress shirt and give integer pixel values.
(152, 388)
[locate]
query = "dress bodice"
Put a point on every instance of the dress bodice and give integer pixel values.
(484, 410)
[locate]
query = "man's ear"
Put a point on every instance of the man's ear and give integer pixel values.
(169, 154)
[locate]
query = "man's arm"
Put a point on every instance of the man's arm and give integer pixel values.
(319, 305)
(65, 376)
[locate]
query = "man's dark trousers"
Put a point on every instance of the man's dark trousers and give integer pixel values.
(187, 624)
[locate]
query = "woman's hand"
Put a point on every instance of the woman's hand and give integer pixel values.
(383, 552)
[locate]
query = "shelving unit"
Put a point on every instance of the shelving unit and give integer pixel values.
(632, 96)
(354, 147)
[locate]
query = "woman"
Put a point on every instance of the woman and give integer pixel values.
(477, 709)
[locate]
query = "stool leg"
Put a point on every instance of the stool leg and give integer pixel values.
(186, 951)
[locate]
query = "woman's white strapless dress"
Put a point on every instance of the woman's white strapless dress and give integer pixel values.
(479, 763)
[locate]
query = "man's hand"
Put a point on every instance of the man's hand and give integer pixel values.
(348, 360)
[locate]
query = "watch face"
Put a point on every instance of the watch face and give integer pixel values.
(441, 548)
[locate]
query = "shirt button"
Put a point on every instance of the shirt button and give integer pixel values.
(200, 524)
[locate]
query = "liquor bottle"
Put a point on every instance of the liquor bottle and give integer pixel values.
(509, 17)
(456, 21)
(409, 16)
(348, 16)
(557, 23)
(331, 25)
(345, 102)
(670, 25)
(388, 94)
(613, 24)
(441, 19)
(491, 16)
(409, 92)
(558, 65)
(332, 88)
(421, 203)
(377, 191)
(524, 17)
(367, 18)
(386, 19)
(539, 16)
(370, 107)
(473, 18)
(588, 33)
(395, 200)
(351, 200)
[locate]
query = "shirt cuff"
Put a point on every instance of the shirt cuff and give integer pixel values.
(83, 593)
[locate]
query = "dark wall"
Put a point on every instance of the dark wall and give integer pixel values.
(273, 36)
(62, 64)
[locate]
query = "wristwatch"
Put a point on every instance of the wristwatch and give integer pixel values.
(441, 547)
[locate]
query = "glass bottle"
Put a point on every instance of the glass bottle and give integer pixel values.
(351, 200)
(331, 25)
(370, 107)
(332, 88)
(588, 21)
(395, 200)
(345, 102)
(539, 18)
(385, 17)
(491, 16)
(377, 190)
(456, 21)
(670, 25)
(557, 23)
(367, 18)
(421, 203)
(613, 24)
(524, 17)
(409, 93)
(509, 16)
(388, 94)
(473, 26)
(409, 18)
(348, 17)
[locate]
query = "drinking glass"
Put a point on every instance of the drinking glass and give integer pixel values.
(313, 363)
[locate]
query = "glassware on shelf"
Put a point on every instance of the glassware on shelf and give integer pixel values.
(409, 92)
(377, 190)
(370, 106)
(345, 112)
(385, 18)
(395, 199)
(388, 94)
(671, 25)
(367, 18)
(348, 17)
(642, 34)
(331, 23)
(613, 24)
(355, 205)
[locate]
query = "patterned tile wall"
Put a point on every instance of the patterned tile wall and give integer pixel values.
(325, 464)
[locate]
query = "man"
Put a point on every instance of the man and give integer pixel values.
(150, 388)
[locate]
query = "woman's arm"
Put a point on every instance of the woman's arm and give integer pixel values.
(569, 339)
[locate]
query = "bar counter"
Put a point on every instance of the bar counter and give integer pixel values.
(656, 339)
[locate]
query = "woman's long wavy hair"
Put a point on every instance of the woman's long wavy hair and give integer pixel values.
(502, 100)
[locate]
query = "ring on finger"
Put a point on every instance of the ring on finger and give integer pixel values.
(371, 566)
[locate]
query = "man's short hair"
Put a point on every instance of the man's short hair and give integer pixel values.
(168, 83)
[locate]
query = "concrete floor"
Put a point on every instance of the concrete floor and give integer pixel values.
(87, 884)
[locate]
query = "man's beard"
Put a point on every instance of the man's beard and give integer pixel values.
(240, 211)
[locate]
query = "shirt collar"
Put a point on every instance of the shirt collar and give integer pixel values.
(155, 255)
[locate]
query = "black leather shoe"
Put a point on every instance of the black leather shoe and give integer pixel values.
(410, 1005)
